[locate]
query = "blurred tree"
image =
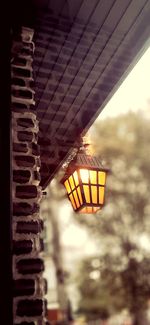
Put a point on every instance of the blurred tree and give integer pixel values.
(120, 277)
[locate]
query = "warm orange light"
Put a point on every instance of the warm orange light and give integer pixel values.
(101, 195)
(86, 193)
(102, 178)
(89, 210)
(72, 201)
(68, 189)
(93, 176)
(79, 194)
(94, 194)
(76, 199)
(71, 182)
(84, 173)
(85, 186)
(76, 179)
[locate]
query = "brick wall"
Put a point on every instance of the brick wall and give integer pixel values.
(29, 286)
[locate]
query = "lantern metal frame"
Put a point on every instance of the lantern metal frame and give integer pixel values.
(86, 196)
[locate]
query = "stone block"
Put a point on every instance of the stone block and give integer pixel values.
(23, 287)
(18, 82)
(24, 161)
(26, 191)
(30, 266)
(25, 122)
(19, 107)
(20, 147)
(22, 72)
(25, 209)
(25, 136)
(22, 247)
(19, 61)
(31, 308)
(21, 176)
(32, 226)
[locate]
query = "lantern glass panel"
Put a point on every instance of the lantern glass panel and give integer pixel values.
(94, 194)
(87, 193)
(86, 210)
(101, 194)
(84, 174)
(67, 186)
(93, 176)
(79, 194)
(71, 183)
(76, 179)
(72, 201)
(83, 210)
(89, 209)
(95, 209)
(101, 178)
(76, 198)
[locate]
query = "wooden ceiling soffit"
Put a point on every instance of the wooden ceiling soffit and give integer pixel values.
(79, 61)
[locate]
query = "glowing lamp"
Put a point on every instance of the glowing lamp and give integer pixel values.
(85, 181)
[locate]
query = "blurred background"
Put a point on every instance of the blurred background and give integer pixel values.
(98, 266)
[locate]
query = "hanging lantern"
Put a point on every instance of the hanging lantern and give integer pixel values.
(85, 181)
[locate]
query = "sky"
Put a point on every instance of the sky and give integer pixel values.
(134, 92)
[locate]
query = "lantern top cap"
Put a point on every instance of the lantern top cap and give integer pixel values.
(84, 161)
(88, 161)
